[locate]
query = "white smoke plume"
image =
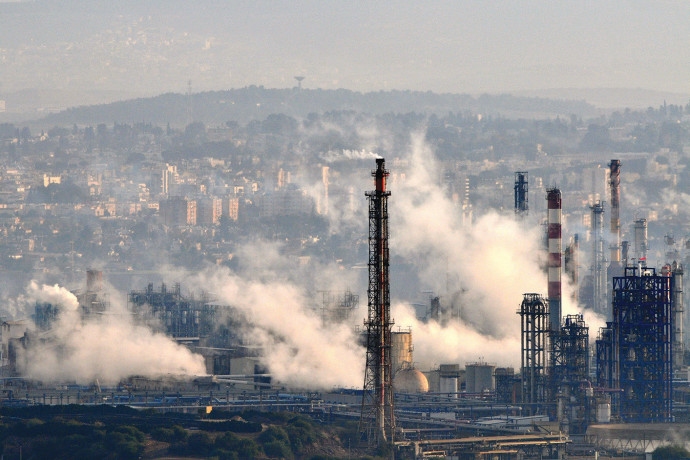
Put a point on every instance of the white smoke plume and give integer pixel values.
(333, 156)
(455, 342)
(298, 349)
(481, 270)
(490, 263)
(108, 348)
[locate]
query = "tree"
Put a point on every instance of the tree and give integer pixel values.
(672, 452)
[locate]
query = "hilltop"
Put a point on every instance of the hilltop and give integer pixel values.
(256, 103)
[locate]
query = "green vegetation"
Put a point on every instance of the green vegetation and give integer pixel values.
(105, 432)
(670, 453)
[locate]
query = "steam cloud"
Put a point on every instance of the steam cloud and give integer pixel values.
(298, 349)
(108, 348)
(346, 155)
(486, 266)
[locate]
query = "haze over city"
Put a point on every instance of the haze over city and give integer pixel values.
(318, 230)
(147, 48)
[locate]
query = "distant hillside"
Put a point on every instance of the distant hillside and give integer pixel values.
(613, 98)
(250, 103)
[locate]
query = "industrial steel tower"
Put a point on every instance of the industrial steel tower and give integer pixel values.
(599, 298)
(377, 421)
(641, 245)
(615, 187)
(521, 194)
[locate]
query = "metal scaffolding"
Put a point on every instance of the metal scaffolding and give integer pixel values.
(534, 322)
(521, 193)
(604, 352)
(569, 372)
(180, 317)
(642, 344)
(338, 307)
(570, 352)
(377, 421)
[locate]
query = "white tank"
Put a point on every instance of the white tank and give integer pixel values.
(604, 412)
(448, 385)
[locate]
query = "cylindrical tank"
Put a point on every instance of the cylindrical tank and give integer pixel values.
(604, 412)
(469, 379)
(401, 349)
(479, 377)
(448, 385)
(448, 379)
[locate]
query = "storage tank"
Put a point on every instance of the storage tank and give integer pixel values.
(604, 412)
(479, 377)
(448, 379)
(401, 349)
(410, 380)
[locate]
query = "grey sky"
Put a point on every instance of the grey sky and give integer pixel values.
(469, 46)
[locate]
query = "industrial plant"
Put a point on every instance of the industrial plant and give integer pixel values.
(577, 390)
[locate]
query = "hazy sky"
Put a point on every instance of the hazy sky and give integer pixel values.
(460, 46)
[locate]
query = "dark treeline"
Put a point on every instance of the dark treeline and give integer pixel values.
(107, 432)
(257, 102)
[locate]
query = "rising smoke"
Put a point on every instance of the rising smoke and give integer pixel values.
(490, 263)
(480, 270)
(298, 348)
(108, 347)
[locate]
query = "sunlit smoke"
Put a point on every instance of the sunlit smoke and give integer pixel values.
(333, 156)
(108, 348)
(297, 348)
(490, 263)
(454, 342)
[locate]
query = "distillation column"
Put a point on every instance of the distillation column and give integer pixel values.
(615, 189)
(677, 303)
(553, 198)
(571, 264)
(521, 193)
(600, 304)
(641, 240)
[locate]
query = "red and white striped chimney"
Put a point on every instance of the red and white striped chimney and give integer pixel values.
(553, 198)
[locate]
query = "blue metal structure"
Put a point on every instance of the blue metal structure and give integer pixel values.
(569, 372)
(642, 337)
(521, 193)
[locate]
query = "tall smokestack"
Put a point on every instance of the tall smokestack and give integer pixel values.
(615, 185)
(521, 193)
(625, 252)
(641, 240)
(377, 420)
(553, 198)
(571, 264)
(678, 312)
(599, 302)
